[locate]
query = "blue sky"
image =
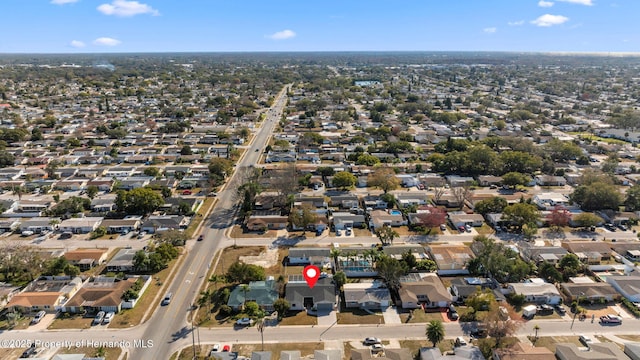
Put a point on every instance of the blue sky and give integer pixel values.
(87, 26)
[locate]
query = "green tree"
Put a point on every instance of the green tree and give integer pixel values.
(587, 220)
(385, 179)
(367, 159)
(140, 261)
(597, 196)
(390, 270)
(386, 235)
(141, 201)
(561, 151)
(240, 272)
(549, 272)
(491, 205)
(520, 214)
(151, 171)
(281, 306)
(632, 201)
(435, 332)
(340, 278)
(344, 180)
(570, 266)
(303, 217)
(514, 179)
(92, 191)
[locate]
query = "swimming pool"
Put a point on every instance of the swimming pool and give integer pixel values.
(395, 212)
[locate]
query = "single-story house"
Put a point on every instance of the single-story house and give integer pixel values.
(549, 200)
(488, 180)
(451, 259)
(83, 225)
(550, 180)
(462, 288)
(267, 222)
(589, 292)
(539, 254)
(85, 259)
(407, 180)
(370, 296)
(343, 220)
(46, 293)
(596, 351)
(264, 293)
(628, 286)
(380, 218)
(7, 291)
(117, 226)
(122, 261)
(322, 297)
(521, 351)
(389, 353)
(306, 256)
(467, 352)
(423, 289)
(405, 199)
(40, 224)
(591, 252)
(458, 219)
(101, 294)
(165, 222)
(537, 292)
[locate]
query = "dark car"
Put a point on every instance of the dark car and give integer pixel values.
(201, 237)
(560, 309)
(29, 352)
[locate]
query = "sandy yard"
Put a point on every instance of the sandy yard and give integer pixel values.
(266, 259)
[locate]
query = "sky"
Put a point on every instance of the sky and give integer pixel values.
(98, 26)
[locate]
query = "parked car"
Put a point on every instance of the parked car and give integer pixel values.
(167, 299)
(98, 319)
(560, 309)
(610, 320)
(142, 234)
(467, 228)
(348, 232)
(377, 347)
(39, 316)
(610, 227)
(544, 309)
(226, 348)
(187, 192)
(460, 341)
(65, 235)
(443, 227)
(461, 228)
(585, 340)
(27, 233)
(108, 317)
(338, 232)
(216, 348)
(623, 227)
(371, 341)
(244, 322)
(201, 237)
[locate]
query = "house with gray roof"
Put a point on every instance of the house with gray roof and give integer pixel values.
(371, 296)
(322, 297)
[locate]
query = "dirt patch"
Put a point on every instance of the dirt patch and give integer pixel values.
(265, 259)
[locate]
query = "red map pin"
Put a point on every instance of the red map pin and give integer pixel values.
(311, 274)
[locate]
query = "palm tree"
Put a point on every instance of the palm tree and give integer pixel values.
(435, 332)
(19, 191)
(335, 253)
(536, 328)
(215, 279)
(205, 299)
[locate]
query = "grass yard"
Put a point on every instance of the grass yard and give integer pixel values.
(237, 232)
(71, 322)
(550, 342)
(305, 348)
(197, 220)
(419, 316)
(415, 345)
(629, 337)
(232, 254)
(299, 318)
(107, 353)
(19, 324)
(358, 316)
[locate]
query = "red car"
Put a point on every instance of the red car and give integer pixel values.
(226, 348)
(186, 192)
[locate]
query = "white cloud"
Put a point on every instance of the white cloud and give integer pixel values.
(547, 20)
(516, 23)
(77, 44)
(490, 30)
(580, 2)
(62, 2)
(106, 41)
(126, 8)
(543, 3)
(282, 35)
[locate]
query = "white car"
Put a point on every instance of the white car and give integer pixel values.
(98, 319)
(244, 322)
(108, 317)
(371, 341)
(216, 348)
(377, 347)
(585, 340)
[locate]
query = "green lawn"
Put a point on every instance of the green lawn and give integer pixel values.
(357, 316)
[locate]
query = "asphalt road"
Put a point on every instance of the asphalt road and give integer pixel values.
(172, 319)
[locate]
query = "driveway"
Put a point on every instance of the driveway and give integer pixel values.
(327, 319)
(391, 315)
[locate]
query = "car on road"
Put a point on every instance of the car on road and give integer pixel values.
(257, 150)
(39, 316)
(98, 319)
(29, 352)
(610, 320)
(371, 341)
(244, 322)
(108, 317)
(201, 237)
(585, 340)
(167, 299)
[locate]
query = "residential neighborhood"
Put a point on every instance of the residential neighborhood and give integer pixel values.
(453, 212)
